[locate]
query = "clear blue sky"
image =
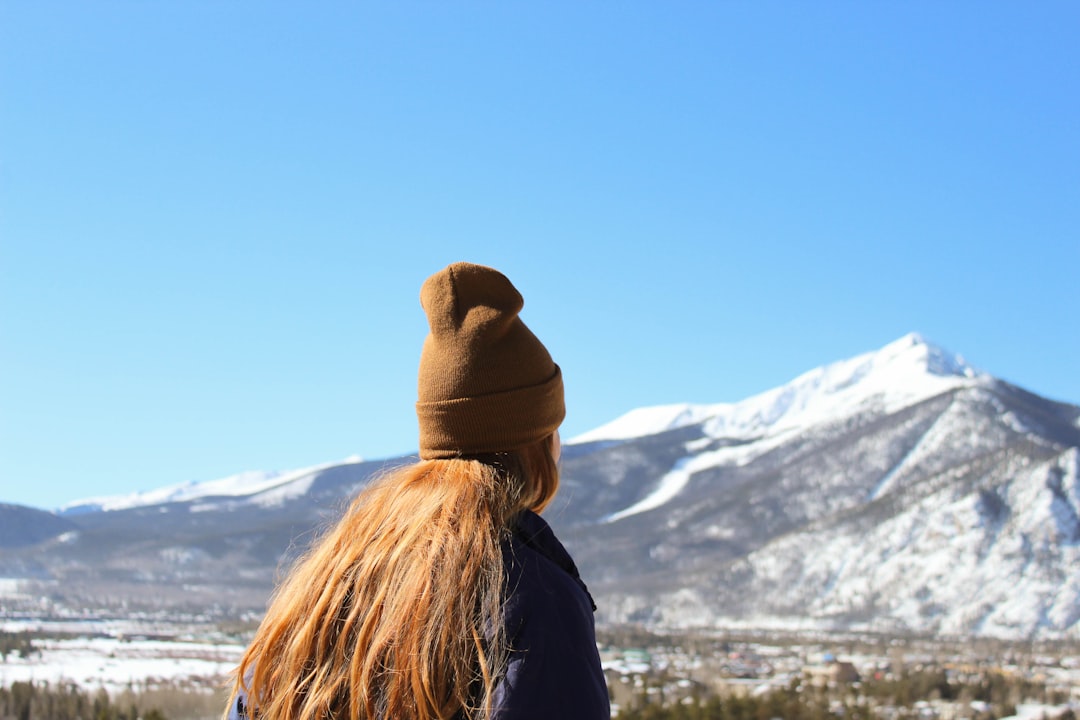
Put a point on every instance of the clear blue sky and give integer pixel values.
(215, 217)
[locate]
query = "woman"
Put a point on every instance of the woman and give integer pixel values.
(441, 593)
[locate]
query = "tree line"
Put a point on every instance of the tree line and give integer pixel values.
(996, 693)
(67, 701)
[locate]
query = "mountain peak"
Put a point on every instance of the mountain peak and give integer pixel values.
(901, 373)
(925, 356)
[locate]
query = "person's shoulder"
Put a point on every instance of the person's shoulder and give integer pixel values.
(553, 669)
(534, 548)
(541, 576)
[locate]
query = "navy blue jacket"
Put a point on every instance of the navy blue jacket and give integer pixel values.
(554, 667)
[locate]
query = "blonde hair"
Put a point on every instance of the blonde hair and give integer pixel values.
(396, 611)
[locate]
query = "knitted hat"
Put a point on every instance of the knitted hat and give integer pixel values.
(486, 383)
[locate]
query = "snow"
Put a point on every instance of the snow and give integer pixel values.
(670, 485)
(268, 488)
(117, 654)
(115, 664)
(11, 587)
(648, 421)
(902, 373)
(1038, 711)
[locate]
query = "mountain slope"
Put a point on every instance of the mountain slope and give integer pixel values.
(22, 526)
(865, 461)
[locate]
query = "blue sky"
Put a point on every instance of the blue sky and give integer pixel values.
(215, 217)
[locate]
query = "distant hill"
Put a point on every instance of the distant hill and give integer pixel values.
(898, 491)
(22, 526)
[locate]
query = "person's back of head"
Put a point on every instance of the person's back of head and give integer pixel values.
(395, 612)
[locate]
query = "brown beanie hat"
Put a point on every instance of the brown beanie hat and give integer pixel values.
(486, 383)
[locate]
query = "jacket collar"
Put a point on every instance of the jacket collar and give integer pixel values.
(535, 533)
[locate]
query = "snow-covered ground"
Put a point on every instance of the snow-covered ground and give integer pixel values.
(116, 655)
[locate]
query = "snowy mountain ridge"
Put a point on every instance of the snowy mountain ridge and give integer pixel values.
(905, 372)
(264, 487)
(902, 373)
(899, 491)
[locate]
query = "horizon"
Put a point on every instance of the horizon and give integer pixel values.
(215, 218)
(264, 478)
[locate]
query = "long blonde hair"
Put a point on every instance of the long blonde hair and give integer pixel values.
(396, 611)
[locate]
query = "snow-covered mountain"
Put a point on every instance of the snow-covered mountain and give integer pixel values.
(258, 487)
(902, 373)
(901, 491)
(899, 374)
